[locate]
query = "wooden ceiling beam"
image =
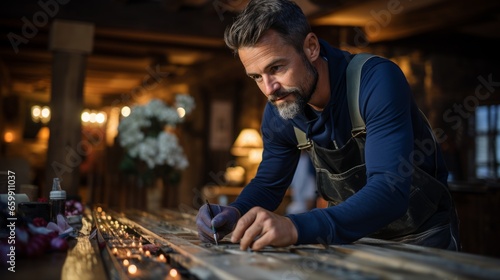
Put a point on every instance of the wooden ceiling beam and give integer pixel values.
(146, 37)
(384, 20)
(148, 17)
(450, 15)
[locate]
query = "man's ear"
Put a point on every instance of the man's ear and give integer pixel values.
(311, 47)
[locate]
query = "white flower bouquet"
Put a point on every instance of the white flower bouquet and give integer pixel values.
(148, 136)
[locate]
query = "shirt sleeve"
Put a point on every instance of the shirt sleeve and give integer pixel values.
(279, 161)
(385, 101)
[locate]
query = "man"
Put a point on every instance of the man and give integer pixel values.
(387, 181)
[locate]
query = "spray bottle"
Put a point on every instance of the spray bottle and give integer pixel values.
(57, 200)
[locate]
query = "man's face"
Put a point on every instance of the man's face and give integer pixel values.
(287, 78)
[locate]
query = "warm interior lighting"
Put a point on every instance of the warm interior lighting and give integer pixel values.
(173, 273)
(248, 149)
(113, 120)
(43, 134)
(125, 111)
(36, 112)
(100, 117)
(85, 116)
(181, 111)
(235, 175)
(247, 140)
(8, 137)
(255, 155)
(40, 114)
(93, 117)
(45, 112)
(132, 269)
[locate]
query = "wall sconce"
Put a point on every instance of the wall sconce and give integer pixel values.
(40, 114)
(93, 117)
(247, 140)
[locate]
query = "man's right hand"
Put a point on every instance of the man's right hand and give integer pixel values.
(224, 221)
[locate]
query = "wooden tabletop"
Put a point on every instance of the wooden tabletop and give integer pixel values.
(82, 261)
(174, 233)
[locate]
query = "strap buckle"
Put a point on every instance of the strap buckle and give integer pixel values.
(358, 132)
(306, 145)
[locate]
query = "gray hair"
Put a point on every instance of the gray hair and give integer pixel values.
(282, 16)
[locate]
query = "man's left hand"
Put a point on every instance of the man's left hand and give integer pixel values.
(259, 228)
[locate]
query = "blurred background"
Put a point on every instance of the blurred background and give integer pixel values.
(71, 71)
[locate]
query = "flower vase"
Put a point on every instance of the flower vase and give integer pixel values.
(169, 194)
(154, 195)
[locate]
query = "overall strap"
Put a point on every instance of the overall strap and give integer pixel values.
(353, 76)
(303, 142)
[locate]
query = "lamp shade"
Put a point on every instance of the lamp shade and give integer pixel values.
(247, 140)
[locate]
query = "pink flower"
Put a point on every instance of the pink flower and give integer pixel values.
(73, 208)
(62, 226)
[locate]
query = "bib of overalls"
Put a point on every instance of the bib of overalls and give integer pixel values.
(340, 173)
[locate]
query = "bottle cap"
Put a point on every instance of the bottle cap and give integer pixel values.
(57, 192)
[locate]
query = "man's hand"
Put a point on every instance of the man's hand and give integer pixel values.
(259, 228)
(224, 221)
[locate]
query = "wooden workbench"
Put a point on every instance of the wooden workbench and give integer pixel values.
(164, 244)
(173, 233)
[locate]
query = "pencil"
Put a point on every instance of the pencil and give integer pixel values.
(211, 218)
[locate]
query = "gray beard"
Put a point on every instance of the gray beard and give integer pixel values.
(289, 110)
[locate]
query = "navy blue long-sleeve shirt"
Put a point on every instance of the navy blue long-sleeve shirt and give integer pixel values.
(396, 137)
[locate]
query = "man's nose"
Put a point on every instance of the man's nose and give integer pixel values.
(270, 85)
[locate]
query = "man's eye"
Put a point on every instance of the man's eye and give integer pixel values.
(256, 77)
(276, 68)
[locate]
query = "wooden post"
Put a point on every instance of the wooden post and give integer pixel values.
(70, 43)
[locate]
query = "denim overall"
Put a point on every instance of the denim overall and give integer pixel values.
(341, 173)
